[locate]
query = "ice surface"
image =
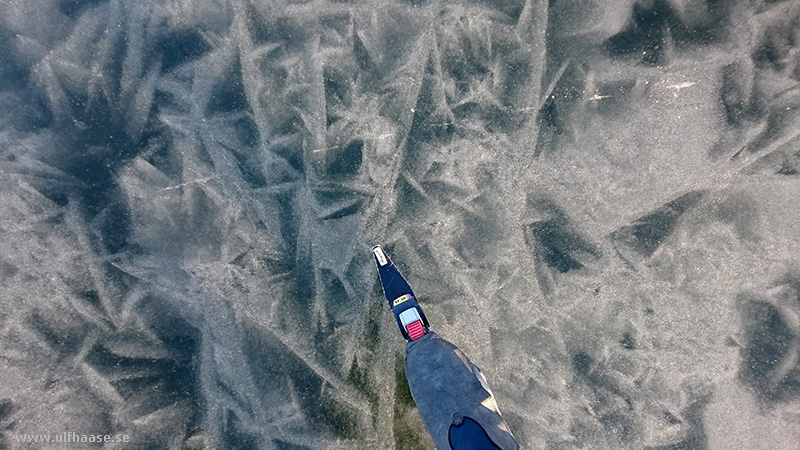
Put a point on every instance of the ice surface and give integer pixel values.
(190, 190)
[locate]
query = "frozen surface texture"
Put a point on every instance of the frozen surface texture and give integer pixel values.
(598, 201)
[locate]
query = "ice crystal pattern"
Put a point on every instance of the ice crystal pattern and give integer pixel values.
(596, 200)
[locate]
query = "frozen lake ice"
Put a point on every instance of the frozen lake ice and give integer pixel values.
(597, 201)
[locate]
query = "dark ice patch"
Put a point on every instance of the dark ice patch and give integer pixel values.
(695, 437)
(432, 120)
(74, 8)
(768, 341)
(340, 307)
(777, 48)
(344, 160)
(670, 419)
(63, 334)
(281, 445)
(648, 232)
(628, 341)
(235, 434)
(361, 55)
(95, 146)
(582, 363)
(249, 168)
(153, 366)
(337, 24)
(336, 203)
(168, 101)
(6, 408)
(247, 131)
(556, 246)
(611, 405)
(654, 26)
(548, 127)
(735, 92)
(411, 201)
(115, 227)
(256, 25)
(293, 33)
(616, 407)
(180, 47)
(556, 242)
(241, 139)
(12, 71)
(283, 376)
(171, 379)
(338, 94)
(29, 111)
(341, 210)
(289, 225)
(228, 93)
(289, 141)
(92, 297)
(790, 166)
(359, 377)
(555, 115)
(646, 32)
(782, 120)
(7, 272)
